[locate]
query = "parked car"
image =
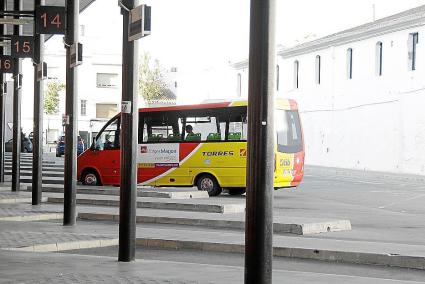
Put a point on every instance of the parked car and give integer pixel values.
(26, 145)
(60, 146)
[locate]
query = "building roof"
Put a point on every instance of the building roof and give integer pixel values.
(28, 5)
(408, 19)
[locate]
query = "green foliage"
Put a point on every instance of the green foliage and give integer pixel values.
(152, 86)
(51, 97)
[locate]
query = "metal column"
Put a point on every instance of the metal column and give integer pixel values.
(259, 196)
(16, 151)
(69, 213)
(37, 160)
(2, 109)
(129, 130)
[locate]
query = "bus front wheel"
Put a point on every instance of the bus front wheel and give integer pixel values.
(90, 177)
(209, 184)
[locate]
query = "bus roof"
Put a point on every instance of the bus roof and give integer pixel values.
(281, 103)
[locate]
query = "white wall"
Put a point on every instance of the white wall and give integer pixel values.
(102, 47)
(369, 122)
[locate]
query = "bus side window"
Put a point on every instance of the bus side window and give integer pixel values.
(238, 128)
(162, 127)
(145, 135)
(202, 128)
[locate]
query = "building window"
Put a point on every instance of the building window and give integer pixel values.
(296, 74)
(277, 77)
(106, 110)
(413, 41)
(378, 59)
(82, 30)
(107, 80)
(350, 63)
(83, 107)
(239, 85)
(318, 69)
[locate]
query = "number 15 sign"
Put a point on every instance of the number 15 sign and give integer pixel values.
(22, 46)
(50, 20)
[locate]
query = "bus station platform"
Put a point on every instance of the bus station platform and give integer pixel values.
(33, 252)
(97, 227)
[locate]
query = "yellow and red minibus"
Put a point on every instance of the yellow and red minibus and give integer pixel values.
(202, 145)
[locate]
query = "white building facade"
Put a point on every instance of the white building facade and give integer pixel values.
(360, 94)
(99, 77)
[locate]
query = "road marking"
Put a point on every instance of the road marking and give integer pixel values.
(408, 199)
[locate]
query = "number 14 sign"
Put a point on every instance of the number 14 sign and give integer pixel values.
(50, 20)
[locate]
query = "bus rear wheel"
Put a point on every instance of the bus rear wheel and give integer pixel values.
(90, 177)
(209, 184)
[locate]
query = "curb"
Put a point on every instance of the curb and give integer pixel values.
(57, 247)
(19, 200)
(402, 261)
(209, 208)
(39, 217)
(280, 228)
(54, 188)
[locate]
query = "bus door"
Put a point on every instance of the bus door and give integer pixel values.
(106, 152)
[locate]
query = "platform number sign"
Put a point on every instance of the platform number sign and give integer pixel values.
(50, 20)
(6, 64)
(22, 46)
(140, 22)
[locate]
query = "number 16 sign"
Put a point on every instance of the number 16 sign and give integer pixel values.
(50, 20)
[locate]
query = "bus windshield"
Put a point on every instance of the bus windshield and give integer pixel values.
(288, 128)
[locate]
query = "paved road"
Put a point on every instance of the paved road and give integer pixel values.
(382, 208)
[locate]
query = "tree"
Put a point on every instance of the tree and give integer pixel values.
(51, 97)
(152, 86)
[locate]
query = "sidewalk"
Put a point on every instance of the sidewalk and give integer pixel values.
(42, 267)
(24, 257)
(53, 237)
(65, 268)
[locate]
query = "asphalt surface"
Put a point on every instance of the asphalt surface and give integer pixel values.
(381, 207)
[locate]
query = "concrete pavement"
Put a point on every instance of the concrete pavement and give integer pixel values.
(218, 241)
(18, 265)
(387, 218)
(65, 268)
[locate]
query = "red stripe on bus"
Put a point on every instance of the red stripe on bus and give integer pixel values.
(298, 168)
(185, 107)
(147, 174)
(186, 149)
